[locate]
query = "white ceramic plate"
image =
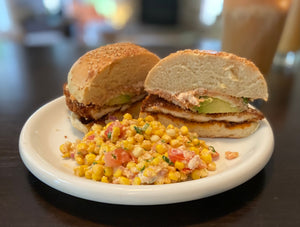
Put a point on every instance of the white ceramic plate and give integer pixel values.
(49, 127)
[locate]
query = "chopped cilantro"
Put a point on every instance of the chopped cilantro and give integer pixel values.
(149, 160)
(145, 126)
(142, 169)
(114, 156)
(246, 100)
(109, 135)
(211, 148)
(141, 130)
(167, 160)
(138, 130)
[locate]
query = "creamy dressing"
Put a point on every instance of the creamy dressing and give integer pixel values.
(190, 99)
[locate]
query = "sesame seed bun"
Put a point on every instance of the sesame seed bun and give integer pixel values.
(220, 72)
(107, 71)
(107, 81)
(179, 85)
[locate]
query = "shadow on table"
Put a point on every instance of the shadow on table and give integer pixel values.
(186, 213)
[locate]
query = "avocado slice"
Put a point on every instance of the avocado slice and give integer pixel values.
(215, 105)
(120, 99)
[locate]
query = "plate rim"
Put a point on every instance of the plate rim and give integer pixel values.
(131, 194)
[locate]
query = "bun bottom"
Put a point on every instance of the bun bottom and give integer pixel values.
(76, 123)
(211, 129)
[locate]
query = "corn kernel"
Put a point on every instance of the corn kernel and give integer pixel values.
(91, 148)
(140, 121)
(196, 174)
(170, 126)
(148, 131)
(96, 127)
(81, 147)
(137, 181)
(154, 138)
(202, 142)
(156, 161)
(127, 116)
(124, 180)
(89, 134)
(146, 144)
(99, 141)
(117, 173)
(194, 149)
(88, 174)
(79, 170)
(206, 156)
(108, 171)
(137, 151)
(141, 165)
(62, 148)
(184, 130)
(159, 132)
(155, 124)
(96, 177)
(130, 140)
(98, 170)
(139, 138)
(115, 134)
(66, 155)
(196, 142)
(175, 143)
(174, 175)
(199, 173)
(79, 159)
(101, 160)
(127, 145)
(161, 148)
(204, 173)
(183, 176)
(171, 132)
(97, 149)
(104, 148)
(104, 179)
(211, 166)
(149, 172)
(130, 165)
(90, 158)
(179, 165)
(66, 147)
(149, 118)
(166, 138)
(129, 133)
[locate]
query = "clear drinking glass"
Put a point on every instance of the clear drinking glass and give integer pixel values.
(252, 29)
(288, 51)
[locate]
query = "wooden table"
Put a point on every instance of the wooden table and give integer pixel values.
(30, 77)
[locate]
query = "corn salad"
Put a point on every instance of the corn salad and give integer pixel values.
(140, 151)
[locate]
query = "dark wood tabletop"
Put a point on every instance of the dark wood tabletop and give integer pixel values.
(32, 76)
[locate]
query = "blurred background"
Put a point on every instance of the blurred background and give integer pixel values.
(163, 26)
(91, 23)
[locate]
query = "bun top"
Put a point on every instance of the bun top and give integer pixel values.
(219, 72)
(109, 71)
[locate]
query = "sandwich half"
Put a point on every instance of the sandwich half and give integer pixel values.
(207, 91)
(107, 81)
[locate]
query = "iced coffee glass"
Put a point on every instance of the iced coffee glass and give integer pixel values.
(252, 29)
(289, 45)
